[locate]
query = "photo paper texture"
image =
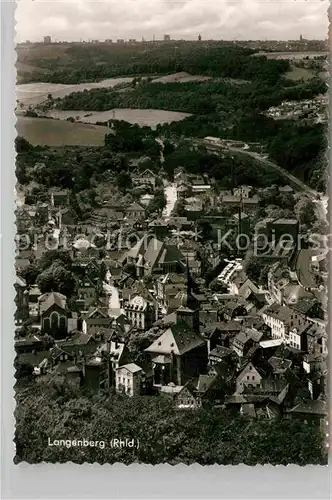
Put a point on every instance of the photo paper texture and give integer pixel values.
(172, 234)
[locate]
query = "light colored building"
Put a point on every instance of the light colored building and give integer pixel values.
(128, 379)
(285, 323)
(243, 191)
(249, 377)
(140, 313)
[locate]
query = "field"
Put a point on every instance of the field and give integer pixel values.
(181, 77)
(36, 93)
(300, 73)
(143, 117)
(48, 132)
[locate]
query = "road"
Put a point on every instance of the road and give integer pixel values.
(114, 300)
(319, 200)
(171, 197)
(303, 269)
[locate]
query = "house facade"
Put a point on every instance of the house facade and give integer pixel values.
(248, 378)
(128, 379)
(53, 314)
(140, 313)
(283, 321)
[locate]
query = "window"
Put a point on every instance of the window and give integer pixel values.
(248, 378)
(253, 377)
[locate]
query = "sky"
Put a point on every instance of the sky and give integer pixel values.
(182, 19)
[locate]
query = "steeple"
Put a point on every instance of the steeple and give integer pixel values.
(188, 311)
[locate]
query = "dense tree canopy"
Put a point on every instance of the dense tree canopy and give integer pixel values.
(164, 434)
(195, 58)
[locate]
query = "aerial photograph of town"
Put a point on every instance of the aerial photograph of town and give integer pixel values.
(171, 215)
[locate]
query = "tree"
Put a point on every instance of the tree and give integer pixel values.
(74, 205)
(205, 436)
(218, 286)
(50, 256)
(256, 269)
(305, 211)
(22, 145)
(179, 208)
(30, 273)
(124, 181)
(57, 279)
(204, 229)
(158, 203)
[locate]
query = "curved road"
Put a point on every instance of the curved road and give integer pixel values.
(315, 196)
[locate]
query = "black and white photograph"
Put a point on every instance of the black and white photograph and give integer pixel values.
(171, 232)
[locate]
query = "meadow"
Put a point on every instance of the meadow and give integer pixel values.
(57, 133)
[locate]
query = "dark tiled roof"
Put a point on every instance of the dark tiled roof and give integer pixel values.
(50, 300)
(33, 358)
(312, 407)
(178, 339)
(221, 352)
(280, 365)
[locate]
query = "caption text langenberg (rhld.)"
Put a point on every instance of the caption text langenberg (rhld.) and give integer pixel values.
(88, 443)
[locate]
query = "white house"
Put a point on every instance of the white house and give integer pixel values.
(284, 323)
(140, 313)
(249, 377)
(128, 379)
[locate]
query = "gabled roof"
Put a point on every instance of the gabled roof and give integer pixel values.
(177, 340)
(249, 368)
(204, 382)
(33, 358)
(244, 398)
(280, 365)
(135, 207)
(131, 367)
(171, 389)
(53, 298)
(282, 313)
(148, 172)
(221, 352)
(170, 253)
(79, 338)
(189, 387)
(153, 251)
(98, 312)
(312, 407)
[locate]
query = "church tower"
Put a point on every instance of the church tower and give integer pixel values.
(188, 312)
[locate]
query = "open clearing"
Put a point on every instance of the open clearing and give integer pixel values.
(143, 117)
(48, 132)
(181, 78)
(300, 73)
(36, 93)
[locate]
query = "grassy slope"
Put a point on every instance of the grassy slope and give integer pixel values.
(46, 132)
